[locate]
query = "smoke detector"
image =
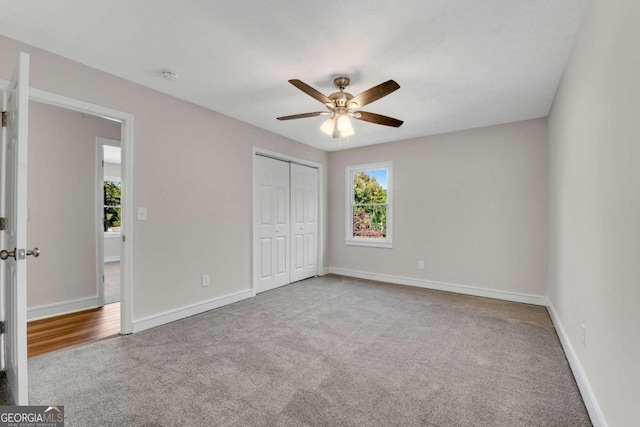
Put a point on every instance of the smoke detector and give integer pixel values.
(170, 76)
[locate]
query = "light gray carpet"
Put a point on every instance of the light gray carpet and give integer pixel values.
(111, 282)
(329, 351)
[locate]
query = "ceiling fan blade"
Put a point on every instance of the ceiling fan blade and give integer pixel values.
(378, 119)
(304, 115)
(373, 94)
(311, 92)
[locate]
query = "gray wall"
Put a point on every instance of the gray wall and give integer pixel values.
(594, 131)
(200, 215)
(472, 204)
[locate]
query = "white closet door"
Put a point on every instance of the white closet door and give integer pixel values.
(271, 248)
(304, 222)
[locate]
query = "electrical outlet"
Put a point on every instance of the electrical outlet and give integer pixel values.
(421, 265)
(204, 280)
(583, 335)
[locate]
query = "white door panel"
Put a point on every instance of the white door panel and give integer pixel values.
(271, 224)
(299, 251)
(304, 223)
(281, 264)
(311, 252)
(15, 196)
(265, 258)
(266, 205)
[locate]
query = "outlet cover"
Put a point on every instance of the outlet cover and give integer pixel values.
(204, 281)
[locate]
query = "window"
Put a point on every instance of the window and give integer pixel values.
(112, 209)
(369, 198)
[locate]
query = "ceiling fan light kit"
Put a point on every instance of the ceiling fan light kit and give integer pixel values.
(342, 105)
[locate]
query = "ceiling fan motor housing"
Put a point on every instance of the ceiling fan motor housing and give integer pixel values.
(340, 99)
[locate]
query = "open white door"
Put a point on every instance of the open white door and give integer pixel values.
(14, 254)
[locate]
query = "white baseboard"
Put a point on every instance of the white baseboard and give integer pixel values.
(323, 271)
(115, 258)
(191, 310)
(63, 307)
(597, 417)
(441, 286)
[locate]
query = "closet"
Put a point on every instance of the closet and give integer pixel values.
(285, 222)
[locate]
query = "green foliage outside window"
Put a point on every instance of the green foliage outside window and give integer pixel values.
(112, 194)
(369, 207)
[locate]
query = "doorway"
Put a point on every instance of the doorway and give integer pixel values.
(126, 121)
(286, 224)
(63, 218)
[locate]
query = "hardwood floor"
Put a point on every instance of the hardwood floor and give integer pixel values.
(54, 333)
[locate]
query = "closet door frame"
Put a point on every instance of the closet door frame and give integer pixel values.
(291, 159)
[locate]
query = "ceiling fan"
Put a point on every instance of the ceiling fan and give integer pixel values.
(342, 105)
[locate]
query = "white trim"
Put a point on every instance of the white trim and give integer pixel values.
(597, 417)
(190, 310)
(98, 221)
(64, 307)
(285, 157)
(361, 241)
(349, 172)
(441, 286)
(115, 258)
(127, 142)
(111, 234)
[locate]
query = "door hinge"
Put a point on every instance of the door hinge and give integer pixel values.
(2, 224)
(124, 238)
(2, 327)
(103, 163)
(4, 119)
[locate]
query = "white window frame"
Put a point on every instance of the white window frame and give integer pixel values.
(112, 234)
(350, 172)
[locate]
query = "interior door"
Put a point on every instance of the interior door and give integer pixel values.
(15, 196)
(271, 248)
(304, 222)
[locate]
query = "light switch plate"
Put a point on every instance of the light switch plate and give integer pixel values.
(142, 214)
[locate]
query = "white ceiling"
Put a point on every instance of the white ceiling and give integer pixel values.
(461, 64)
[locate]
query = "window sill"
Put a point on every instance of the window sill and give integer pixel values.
(112, 234)
(369, 243)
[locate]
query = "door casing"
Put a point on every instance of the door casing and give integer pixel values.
(127, 146)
